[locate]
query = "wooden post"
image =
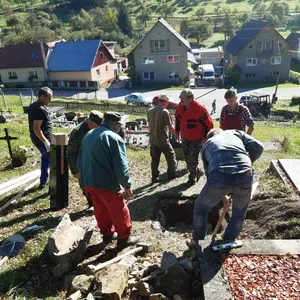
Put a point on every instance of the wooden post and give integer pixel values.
(21, 99)
(8, 138)
(4, 100)
(59, 174)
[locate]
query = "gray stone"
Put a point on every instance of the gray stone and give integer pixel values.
(67, 245)
(158, 296)
(291, 167)
(156, 225)
(129, 261)
(187, 265)
(113, 280)
(166, 283)
(82, 283)
(2, 119)
(145, 289)
(77, 295)
(169, 259)
(90, 297)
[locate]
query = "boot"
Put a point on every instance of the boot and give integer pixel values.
(108, 239)
(123, 243)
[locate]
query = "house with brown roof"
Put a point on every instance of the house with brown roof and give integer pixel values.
(260, 52)
(22, 65)
(162, 56)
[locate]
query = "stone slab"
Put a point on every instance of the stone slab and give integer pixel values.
(292, 167)
(264, 247)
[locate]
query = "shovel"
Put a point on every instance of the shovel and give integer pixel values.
(10, 247)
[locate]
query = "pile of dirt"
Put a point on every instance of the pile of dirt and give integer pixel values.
(273, 216)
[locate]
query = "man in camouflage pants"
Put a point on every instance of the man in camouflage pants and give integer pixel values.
(193, 122)
(93, 121)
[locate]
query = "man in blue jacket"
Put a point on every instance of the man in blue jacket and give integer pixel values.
(103, 167)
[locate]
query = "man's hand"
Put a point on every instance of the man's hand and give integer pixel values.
(77, 175)
(47, 145)
(127, 193)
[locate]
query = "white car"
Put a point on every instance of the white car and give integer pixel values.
(137, 98)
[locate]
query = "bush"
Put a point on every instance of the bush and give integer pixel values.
(233, 74)
(295, 101)
(19, 156)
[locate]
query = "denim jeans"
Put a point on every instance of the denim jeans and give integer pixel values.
(45, 164)
(217, 186)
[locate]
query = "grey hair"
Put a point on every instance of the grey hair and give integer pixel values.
(213, 132)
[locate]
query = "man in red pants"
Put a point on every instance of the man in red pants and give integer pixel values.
(103, 167)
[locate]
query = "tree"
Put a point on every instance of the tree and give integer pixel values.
(201, 31)
(144, 15)
(233, 74)
(124, 19)
(228, 23)
(184, 28)
(165, 10)
(12, 21)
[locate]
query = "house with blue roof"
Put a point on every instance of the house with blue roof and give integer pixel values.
(260, 52)
(81, 64)
(162, 56)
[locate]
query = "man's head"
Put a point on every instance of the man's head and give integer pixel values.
(163, 100)
(114, 119)
(186, 97)
(45, 95)
(95, 119)
(213, 132)
(231, 97)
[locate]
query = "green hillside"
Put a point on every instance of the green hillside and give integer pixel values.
(202, 22)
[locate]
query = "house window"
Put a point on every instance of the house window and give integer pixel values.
(148, 60)
(250, 75)
(101, 55)
(274, 73)
(280, 44)
(148, 75)
(173, 74)
(251, 62)
(158, 46)
(276, 60)
(173, 58)
(106, 69)
(264, 46)
(98, 72)
(32, 74)
(12, 75)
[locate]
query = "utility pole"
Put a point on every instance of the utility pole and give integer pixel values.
(44, 62)
(224, 60)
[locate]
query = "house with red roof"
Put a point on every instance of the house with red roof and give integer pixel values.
(22, 65)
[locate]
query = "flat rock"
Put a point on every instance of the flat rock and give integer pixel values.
(82, 283)
(145, 289)
(129, 261)
(291, 167)
(90, 297)
(158, 296)
(166, 283)
(113, 280)
(169, 259)
(77, 295)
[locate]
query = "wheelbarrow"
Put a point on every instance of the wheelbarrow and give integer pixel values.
(177, 146)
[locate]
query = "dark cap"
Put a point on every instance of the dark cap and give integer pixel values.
(112, 116)
(96, 117)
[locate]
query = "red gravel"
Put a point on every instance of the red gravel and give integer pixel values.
(254, 277)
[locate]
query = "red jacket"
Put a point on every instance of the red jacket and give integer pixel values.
(194, 122)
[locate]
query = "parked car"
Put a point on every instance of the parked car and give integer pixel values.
(137, 98)
(172, 103)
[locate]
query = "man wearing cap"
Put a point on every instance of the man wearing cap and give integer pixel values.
(40, 128)
(193, 122)
(103, 167)
(93, 121)
(159, 125)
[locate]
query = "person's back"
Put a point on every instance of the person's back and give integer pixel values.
(103, 161)
(160, 120)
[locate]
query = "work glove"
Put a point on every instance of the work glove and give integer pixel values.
(47, 145)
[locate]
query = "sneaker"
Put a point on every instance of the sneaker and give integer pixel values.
(108, 239)
(191, 243)
(199, 174)
(123, 243)
(41, 187)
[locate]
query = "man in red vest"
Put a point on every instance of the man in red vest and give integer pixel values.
(194, 122)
